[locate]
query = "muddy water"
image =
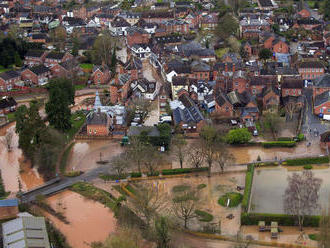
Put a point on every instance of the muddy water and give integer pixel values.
(269, 186)
(85, 154)
(89, 221)
(246, 154)
(13, 167)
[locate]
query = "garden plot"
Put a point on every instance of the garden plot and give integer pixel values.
(210, 213)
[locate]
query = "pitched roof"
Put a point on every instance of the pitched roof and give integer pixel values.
(96, 118)
(325, 137)
(7, 103)
(55, 55)
(322, 98)
(9, 75)
(323, 81)
(310, 64)
(292, 83)
(39, 69)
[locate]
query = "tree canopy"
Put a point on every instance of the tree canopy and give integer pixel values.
(238, 136)
(227, 26)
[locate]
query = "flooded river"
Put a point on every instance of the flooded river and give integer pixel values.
(269, 186)
(89, 220)
(13, 166)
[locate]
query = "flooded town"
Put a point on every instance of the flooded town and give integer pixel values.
(165, 124)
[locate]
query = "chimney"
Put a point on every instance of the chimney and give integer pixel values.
(233, 67)
(226, 67)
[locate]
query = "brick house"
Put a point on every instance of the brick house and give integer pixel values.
(258, 83)
(157, 16)
(291, 86)
(223, 105)
(322, 103)
(321, 85)
(69, 68)
(310, 69)
(98, 124)
(239, 82)
(200, 70)
(163, 98)
(54, 58)
(177, 84)
(175, 26)
(100, 74)
(209, 21)
(270, 97)
(8, 80)
(38, 75)
(38, 38)
(136, 35)
(34, 57)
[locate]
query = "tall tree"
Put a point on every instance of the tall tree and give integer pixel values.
(135, 151)
(102, 49)
(120, 164)
(302, 195)
(179, 145)
(227, 26)
(58, 37)
(265, 54)
(196, 156)
(223, 157)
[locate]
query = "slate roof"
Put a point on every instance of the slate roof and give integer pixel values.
(96, 118)
(292, 83)
(39, 69)
(133, 30)
(135, 131)
(157, 14)
(7, 102)
(149, 87)
(168, 39)
(265, 3)
(55, 55)
(69, 64)
(190, 114)
(323, 81)
(322, 98)
(178, 66)
(249, 110)
(120, 22)
(179, 81)
(9, 75)
(310, 64)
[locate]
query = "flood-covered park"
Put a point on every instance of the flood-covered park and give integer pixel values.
(269, 185)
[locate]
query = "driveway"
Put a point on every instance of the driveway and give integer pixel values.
(311, 121)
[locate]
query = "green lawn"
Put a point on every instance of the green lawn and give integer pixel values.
(79, 87)
(77, 120)
(86, 66)
(221, 51)
(11, 116)
(2, 69)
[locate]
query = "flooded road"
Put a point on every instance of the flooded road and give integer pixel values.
(247, 154)
(269, 186)
(85, 154)
(89, 220)
(13, 167)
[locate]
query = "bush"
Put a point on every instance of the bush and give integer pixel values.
(201, 186)
(154, 174)
(235, 199)
(238, 136)
(73, 173)
(136, 174)
(203, 216)
(108, 177)
(300, 137)
(313, 236)
(248, 186)
(282, 219)
(183, 170)
(265, 164)
(284, 139)
(279, 144)
(308, 167)
(180, 188)
(305, 161)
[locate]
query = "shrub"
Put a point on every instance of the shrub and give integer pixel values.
(203, 216)
(73, 173)
(282, 219)
(258, 158)
(136, 174)
(265, 164)
(300, 137)
(153, 174)
(238, 136)
(284, 139)
(313, 236)
(183, 170)
(308, 167)
(201, 186)
(235, 199)
(304, 161)
(180, 188)
(279, 144)
(108, 177)
(248, 186)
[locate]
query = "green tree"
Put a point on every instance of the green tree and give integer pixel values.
(61, 94)
(238, 136)
(162, 232)
(113, 60)
(18, 60)
(227, 26)
(327, 10)
(75, 48)
(102, 49)
(265, 54)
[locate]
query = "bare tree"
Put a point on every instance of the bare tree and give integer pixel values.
(8, 140)
(151, 159)
(273, 122)
(302, 195)
(120, 164)
(148, 202)
(136, 150)
(184, 205)
(290, 108)
(324, 237)
(223, 157)
(179, 148)
(196, 157)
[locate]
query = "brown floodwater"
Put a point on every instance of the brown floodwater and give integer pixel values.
(85, 154)
(89, 220)
(247, 154)
(13, 166)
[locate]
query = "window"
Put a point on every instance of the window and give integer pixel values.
(236, 83)
(287, 91)
(254, 91)
(247, 85)
(227, 109)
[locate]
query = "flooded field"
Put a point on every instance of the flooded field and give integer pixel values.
(14, 168)
(85, 154)
(247, 154)
(269, 186)
(215, 187)
(89, 220)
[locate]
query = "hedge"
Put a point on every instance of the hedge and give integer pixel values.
(265, 164)
(153, 174)
(308, 167)
(282, 219)
(304, 161)
(136, 174)
(203, 216)
(235, 199)
(248, 186)
(108, 177)
(284, 139)
(183, 170)
(279, 144)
